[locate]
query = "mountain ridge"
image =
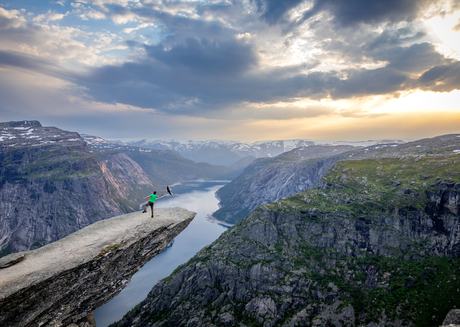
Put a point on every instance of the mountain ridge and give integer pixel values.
(45, 174)
(53, 182)
(268, 180)
(229, 152)
(375, 243)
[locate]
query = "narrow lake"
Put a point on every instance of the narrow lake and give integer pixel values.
(194, 196)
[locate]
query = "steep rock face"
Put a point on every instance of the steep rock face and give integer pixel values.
(162, 166)
(269, 179)
(128, 182)
(63, 282)
(51, 185)
(375, 245)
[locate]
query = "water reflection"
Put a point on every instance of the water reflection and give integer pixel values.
(194, 196)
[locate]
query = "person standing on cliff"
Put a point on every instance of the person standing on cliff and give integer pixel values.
(152, 199)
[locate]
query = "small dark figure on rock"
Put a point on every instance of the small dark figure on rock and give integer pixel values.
(152, 199)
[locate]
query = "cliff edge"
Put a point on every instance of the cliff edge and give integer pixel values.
(63, 282)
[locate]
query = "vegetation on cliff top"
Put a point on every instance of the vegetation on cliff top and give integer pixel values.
(368, 187)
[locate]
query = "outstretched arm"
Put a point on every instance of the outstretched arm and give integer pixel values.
(147, 197)
(160, 195)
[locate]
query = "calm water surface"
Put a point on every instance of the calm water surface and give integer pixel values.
(194, 196)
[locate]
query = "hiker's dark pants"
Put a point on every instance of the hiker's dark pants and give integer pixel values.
(151, 206)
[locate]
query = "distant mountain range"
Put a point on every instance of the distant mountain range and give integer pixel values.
(164, 166)
(227, 153)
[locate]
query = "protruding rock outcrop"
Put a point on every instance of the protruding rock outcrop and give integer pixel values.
(63, 282)
(452, 319)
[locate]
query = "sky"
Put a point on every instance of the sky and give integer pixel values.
(244, 70)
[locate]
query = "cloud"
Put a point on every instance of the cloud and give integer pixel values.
(273, 11)
(50, 16)
(227, 57)
(395, 37)
(413, 59)
(95, 14)
(170, 81)
(352, 12)
(278, 111)
(177, 28)
(122, 15)
(11, 19)
(456, 28)
(441, 78)
(361, 83)
(53, 42)
(32, 63)
(207, 59)
(359, 113)
(138, 27)
(123, 3)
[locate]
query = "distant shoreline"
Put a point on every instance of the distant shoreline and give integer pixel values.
(202, 181)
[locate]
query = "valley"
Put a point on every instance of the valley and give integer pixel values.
(323, 235)
(377, 241)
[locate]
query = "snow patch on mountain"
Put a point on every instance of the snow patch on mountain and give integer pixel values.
(227, 152)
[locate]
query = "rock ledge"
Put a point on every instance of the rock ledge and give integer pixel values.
(63, 282)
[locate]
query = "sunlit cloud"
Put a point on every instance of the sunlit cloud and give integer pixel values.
(50, 16)
(446, 34)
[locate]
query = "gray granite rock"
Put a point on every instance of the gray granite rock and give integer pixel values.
(452, 319)
(11, 259)
(63, 282)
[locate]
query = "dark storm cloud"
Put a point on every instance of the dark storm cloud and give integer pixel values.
(416, 58)
(171, 87)
(402, 63)
(352, 12)
(228, 57)
(203, 70)
(370, 82)
(441, 78)
(389, 38)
